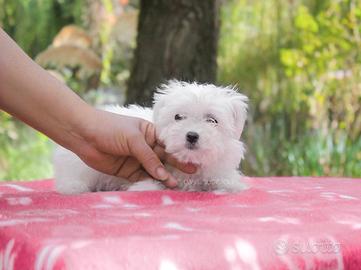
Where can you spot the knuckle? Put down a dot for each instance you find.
(146, 126)
(160, 152)
(134, 177)
(149, 133)
(134, 143)
(151, 160)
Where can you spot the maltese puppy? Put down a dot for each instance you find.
(198, 123)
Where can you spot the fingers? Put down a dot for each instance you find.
(166, 158)
(127, 167)
(130, 169)
(184, 167)
(139, 175)
(171, 182)
(148, 130)
(140, 147)
(149, 160)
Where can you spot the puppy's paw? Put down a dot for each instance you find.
(146, 185)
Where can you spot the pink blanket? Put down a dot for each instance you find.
(279, 223)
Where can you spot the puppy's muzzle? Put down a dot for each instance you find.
(192, 137)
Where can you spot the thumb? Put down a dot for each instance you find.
(145, 155)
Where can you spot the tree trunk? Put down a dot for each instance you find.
(177, 39)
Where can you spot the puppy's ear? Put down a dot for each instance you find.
(239, 111)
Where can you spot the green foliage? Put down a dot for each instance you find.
(7, 128)
(34, 23)
(24, 153)
(311, 154)
(299, 61)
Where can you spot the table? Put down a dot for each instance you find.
(279, 223)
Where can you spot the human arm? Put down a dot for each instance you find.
(107, 142)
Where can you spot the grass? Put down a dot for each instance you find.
(301, 122)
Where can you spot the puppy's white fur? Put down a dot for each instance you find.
(216, 114)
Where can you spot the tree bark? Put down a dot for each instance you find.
(177, 39)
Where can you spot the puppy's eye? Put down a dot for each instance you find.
(178, 117)
(211, 120)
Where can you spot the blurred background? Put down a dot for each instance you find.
(299, 61)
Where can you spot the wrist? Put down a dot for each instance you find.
(88, 122)
(80, 128)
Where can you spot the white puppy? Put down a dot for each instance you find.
(198, 123)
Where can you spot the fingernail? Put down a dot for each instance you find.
(162, 173)
(171, 183)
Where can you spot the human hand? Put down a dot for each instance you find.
(113, 144)
(126, 147)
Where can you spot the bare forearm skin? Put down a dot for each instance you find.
(103, 140)
(31, 94)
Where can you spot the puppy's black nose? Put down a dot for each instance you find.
(192, 137)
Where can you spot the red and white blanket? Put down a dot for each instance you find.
(279, 223)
